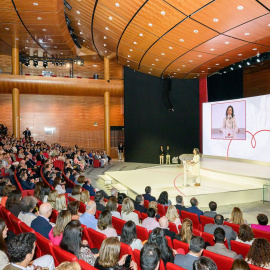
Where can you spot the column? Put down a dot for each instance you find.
(106, 69)
(107, 131)
(15, 61)
(16, 112)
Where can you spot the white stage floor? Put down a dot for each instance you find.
(223, 181)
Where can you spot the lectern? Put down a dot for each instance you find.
(184, 158)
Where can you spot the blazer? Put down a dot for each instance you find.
(140, 208)
(180, 207)
(90, 188)
(230, 234)
(42, 226)
(169, 233)
(185, 261)
(222, 250)
(148, 197)
(195, 210)
(210, 214)
(27, 185)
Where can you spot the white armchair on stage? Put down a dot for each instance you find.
(184, 158)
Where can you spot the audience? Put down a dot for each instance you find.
(76, 192)
(185, 233)
(44, 194)
(212, 212)
(127, 211)
(150, 257)
(41, 224)
(263, 221)
(240, 264)
(129, 236)
(245, 235)
(85, 197)
(3, 246)
(6, 191)
(104, 224)
(52, 197)
(73, 208)
(27, 206)
(180, 203)
(87, 185)
(59, 185)
(147, 196)
(112, 206)
(60, 202)
(56, 233)
(163, 199)
(139, 204)
(219, 247)
(196, 247)
(153, 205)
(194, 207)
(13, 202)
(173, 216)
(230, 234)
(204, 263)
(237, 216)
(150, 222)
(68, 266)
(164, 225)
(88, 218)
(121, 197)
(99, 200)
(114, 192)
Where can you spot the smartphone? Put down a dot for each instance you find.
(127, 262)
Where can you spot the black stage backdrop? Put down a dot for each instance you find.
(149, 124)
(225, 86)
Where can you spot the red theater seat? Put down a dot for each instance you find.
(179, 244)
(118, 224)
(61, 255)
(171, 266)
(206, 220)
(194, 217)
(240, 248)
(96, 237)
(222, 262)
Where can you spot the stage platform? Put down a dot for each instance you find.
(224, 181)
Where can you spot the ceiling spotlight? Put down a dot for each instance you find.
(248, 63)
(163, 12)
(196, 31)
(35, 63)
(26, 63)
(227, 42)
(135, 42)
(39, 18)
(170, 48)
(68, 64)
(231, 68)
(141, 35)
(181, 40)
(117, 5)
(45, 64)
(247, 34)
(258, 60)
(215, 20)
(79, 62)
(110, 18)
(239, 66)
(240, 7)
(150, 24)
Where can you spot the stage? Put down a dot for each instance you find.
(224, 181)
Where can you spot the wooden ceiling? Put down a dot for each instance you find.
(181, 38)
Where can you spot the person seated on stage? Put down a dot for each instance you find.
(186, 232)
(99, 200)
(173, 216)
(219, 247)
(21, 250)
(147, 196)
(139, 204)
(237, 217)
(205, 263)
(194, 208)
(150, 222)
(150, 257)
(196, 247)
(245, 235)
(163, 199)
(127, 211)
(230, 234)
(212, 212)
(263, 221)
(112, 206)
(259, 253)
(164, 225)
(180, 203)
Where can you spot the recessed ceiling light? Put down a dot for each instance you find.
(141, 34)
(55, 47)
(94, 65)
(170, 48)
(269, 24)
(215, 20)
(128, 55)
(149, 72)
(35, 4)
(78, 12)
(227, 60)
(61, 53)
(151, 69)
(217, 64)
(128, 61)
(247, 34)
(110, 18)
(131, 50)
(196, 31)
(199, 55)
(153, 64)
(227, 42)
(104, 44)
(106, 28)
(163, 12)
(49, 39)
(190, 61)
(105, 51)
(150, 24)
(117, 5)
(26, 47)
(174, 73)
(239, 54)
(7, 28)
(240, 7)
(195, 77)
(181, 40)
(208, 68)
(178, 69)
(135, 42)
(79, 23)
(254, 49)
(83, 40)
(44, 30)
(203, 71)
(212, 49)
(128, 65)
(16, 39)
(183, 65)
(239, 66)
(81, 33)
(105, 37)
(162, 53)
(39, 18)
(157, 60)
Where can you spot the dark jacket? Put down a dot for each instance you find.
(27, 185)
(148, 197)
(90, 188)
(140, 208)
(42, 226)
(180, 207)
(195, 210)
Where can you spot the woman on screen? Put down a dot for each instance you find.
(196, 166)
(229, 127)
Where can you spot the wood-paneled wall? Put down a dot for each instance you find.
(256, 80)
(73, 117)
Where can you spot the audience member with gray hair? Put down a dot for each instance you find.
(114, 192)
(88, 218)
(27, 205)
(139, 204)
(180, 203)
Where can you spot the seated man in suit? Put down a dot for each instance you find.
(212, 212)
(194, 207)
(139, 204)
(26, 183)
(180, 203)
(150, 257)
(41, 223)
(195, 251)
(99, 200)
(219, 247)
(21, 250)
(230, 234)
(164, 225)
(147, 196)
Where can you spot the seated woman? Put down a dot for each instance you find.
(112, 206)
(237, 217)
(163, 199)
(76, 192)
(104, 224)
(185, 233)
(59, 185)
(109, 254)
(3, 247)
(157, 237)
(129, 236)
(259, 253)
(73, 208)
(245, 235)
(85, 197)
(172, 216)
(153, 204)
(27, 206)
(60, 202)
(13, 202)
(78, 162)
(80, 181)
(127, 211)
(72, 242)
(263, 221)
(6, 191)
(52, 197)
(150, 222)
(56, 233)
(37, 191)
(44, 194)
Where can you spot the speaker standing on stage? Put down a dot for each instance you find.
(196, 166)
(120, 151)
(161, 155)
(168, 156)
(27, 133)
